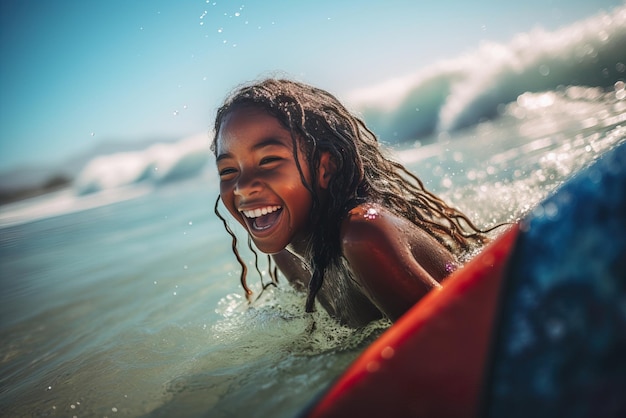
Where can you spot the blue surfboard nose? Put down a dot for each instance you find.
(560, 344)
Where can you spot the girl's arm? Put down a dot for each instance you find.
(395, 262)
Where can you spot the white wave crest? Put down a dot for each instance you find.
(460, 92)
(156, 164)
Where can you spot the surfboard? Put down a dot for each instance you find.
(535, 325)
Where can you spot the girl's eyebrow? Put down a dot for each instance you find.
(223, 156)
(268, 142)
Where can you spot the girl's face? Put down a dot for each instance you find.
(260, 184)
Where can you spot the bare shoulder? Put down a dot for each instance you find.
(372, 232)
(370, 223)
(390, 257)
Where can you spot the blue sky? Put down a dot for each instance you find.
(74, 73)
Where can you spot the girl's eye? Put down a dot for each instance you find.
(269, 160)
(226, 171)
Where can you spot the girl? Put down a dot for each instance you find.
(309, 183)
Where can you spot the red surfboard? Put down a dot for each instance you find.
(437, 351)
(533, 326)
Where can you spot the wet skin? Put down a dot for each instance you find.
(394, 262)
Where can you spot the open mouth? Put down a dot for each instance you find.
(261, 219)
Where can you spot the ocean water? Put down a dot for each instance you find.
(120, 296)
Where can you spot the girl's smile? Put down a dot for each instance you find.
(262, 219)
(260, 183)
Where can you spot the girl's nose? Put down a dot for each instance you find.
(247, 185)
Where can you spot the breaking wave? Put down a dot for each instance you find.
(157, 164)
(447, 96)
(466, 90)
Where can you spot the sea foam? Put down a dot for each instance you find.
(461, 92)
(156, 164)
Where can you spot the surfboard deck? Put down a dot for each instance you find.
(483, 343)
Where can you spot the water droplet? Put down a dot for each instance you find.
(201, 23)
(371, 214)
(544, 70)
(237, 14)
(175, 113)
(184, 106)
(220, 30)
(114, 409)
(551, 210)
(190, 223)
(538, 211)
(93, 134)
(388, 352)
(373, 366)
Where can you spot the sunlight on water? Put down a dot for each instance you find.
(135, 306)
(127, 302)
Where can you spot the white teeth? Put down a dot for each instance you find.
(260, 212)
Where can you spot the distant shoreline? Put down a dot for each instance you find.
(53, 184)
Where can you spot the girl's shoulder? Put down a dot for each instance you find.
(371, 233)
(371, 222)
(393, 260)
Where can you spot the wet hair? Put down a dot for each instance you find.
(319, 124)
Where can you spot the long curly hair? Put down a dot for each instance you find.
(319, 123)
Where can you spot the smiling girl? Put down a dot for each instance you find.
(310, 184)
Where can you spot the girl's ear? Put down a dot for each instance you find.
(326, 170)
